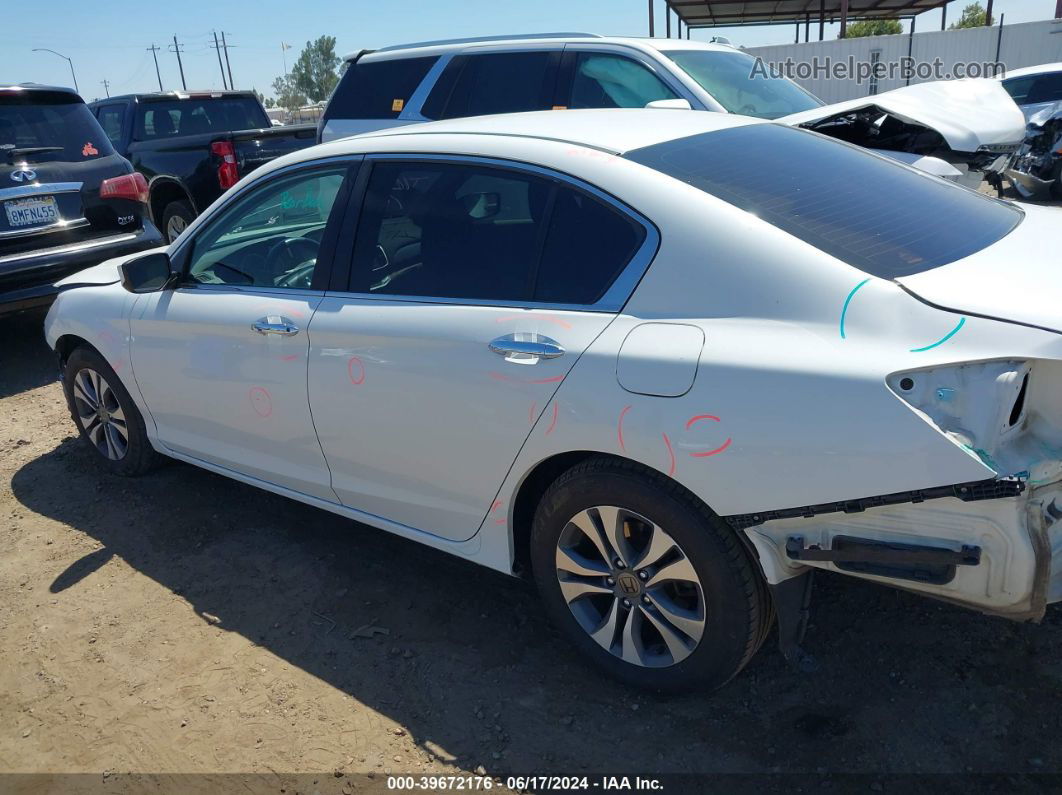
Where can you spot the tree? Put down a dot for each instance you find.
(288, 96)
(314, 74)
(973, 16)
(873, 27)
(270, 103)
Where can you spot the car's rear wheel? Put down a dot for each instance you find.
(175, 219)
(105, 415)
(645, 580)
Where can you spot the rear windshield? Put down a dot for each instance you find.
(30, 120)
(377, 89)
(195, 116)
(873, 213)
(740, 84)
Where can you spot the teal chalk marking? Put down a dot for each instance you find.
(847, 301)
(942, 340)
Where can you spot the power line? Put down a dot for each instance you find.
(158, 74)
(177, 49)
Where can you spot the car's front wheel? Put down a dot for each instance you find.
(645, 580)
(105, 415)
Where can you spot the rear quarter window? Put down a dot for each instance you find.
(377, 89)
(873, 213)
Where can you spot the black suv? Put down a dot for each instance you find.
(67, 199)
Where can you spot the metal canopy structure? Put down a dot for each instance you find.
(735, 13)
(720, 13)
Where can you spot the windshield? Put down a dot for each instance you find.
(46, 126)
(730, 79)
(873, 213)
(198, 115)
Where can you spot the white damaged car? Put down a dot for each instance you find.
(612, 356)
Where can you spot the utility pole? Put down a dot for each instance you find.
(225, 47)
(158, 74)
(177, 49)
(220, 65)
(106, 87)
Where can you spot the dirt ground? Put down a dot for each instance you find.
(185, 623)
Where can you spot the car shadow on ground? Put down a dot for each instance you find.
(25, 362)
(905, 685)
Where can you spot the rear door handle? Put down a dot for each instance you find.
(275, 325)
(526, 350)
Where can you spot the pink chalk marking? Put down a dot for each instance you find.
(360, 377)
(619, 428)
(670, 452)
(495, 506)
(552, 424)
(719, 449)
(261, 401)
(531, 413)
(694, 420)
(290, 358)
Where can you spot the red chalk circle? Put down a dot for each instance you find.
(356, 371)
(261, 401)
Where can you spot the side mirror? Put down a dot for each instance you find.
(147, 274)
(670, 104)
(481, 205)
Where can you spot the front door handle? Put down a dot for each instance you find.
(275, 325)
(526, 350)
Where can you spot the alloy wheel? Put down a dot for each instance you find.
(630, 586)
(174, 227)
(100, 415)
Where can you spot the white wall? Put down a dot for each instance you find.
(1023, 44)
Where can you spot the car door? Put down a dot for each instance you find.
(221, 360)
(602, 78)
(474, 288)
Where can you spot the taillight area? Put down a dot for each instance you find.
(228, 174)
(128, 186)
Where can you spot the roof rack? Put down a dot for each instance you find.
(474, 39)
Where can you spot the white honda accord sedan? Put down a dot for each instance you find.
(668, 370)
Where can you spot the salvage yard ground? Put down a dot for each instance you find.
(184, 622)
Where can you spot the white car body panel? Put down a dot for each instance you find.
(386, 370)
(794, 400)
(968, 114)
(224, 393)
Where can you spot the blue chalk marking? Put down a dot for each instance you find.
(943, 339)
(847, 301)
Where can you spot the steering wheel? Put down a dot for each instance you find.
(291, 258)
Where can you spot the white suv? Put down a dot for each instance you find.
(971, 125)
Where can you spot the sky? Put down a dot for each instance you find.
(108, 40)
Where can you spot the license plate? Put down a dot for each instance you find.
(32, 212)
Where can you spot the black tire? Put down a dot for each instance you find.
(177, 214)
(737, 607)
(138, 456)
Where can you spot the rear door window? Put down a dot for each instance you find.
(502, 82)
(604, 80)
(377, 89)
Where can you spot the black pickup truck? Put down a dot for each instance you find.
(192, 146)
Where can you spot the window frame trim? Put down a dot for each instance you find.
(612, 301)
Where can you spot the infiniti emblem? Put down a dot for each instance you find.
(27, 174)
